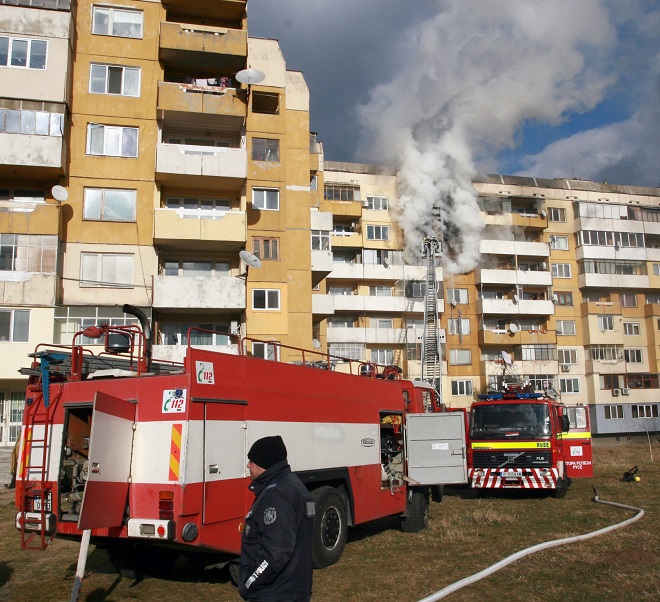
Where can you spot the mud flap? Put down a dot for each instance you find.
(110, 452)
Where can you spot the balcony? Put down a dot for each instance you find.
(342, 208)
(191, 167)
(522, 307)
(514, 277)
(202, 104)
(177, 227)
(602, 308)
(218, 10)
(514, 247)
(29, 156)
(370, 271)
(27, 289)
(199, 48)
(174, 292)
(379, 336)
(502, 338)
(322, 262)
(613, 281)
(177, 353)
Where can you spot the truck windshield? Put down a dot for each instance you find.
(510, 421)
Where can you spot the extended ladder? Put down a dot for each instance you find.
(431, 353)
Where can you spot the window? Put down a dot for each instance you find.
(538, 353)
(341, 290)
(563, 298)
(382, 322)
(656, 269)
(561, 270)
(71, 319)
(377, 203)
(567, 356)
(266, 199)
(23, 53)
(633, 356)
(605, 323)
(112, 141)
(341, 192)
(266, 249)
(569, 385)
(341, 322)
(265, 149)
(266, 298)
(457, 295)
(461, 387)
(631, 328)
(320, 240)
(109, 204)
(378, 257)
(459, 325)
(556, 214)
(38, 123)
(265, 351)
(610, 381)
(628, 299)
(605, 353)
(382, 356)
(265, 102)
(415, 289)
(199, 208)
(14, 325)
(176, 333)
(123, 23)
(645, 411)
(106, 269)
(460, 357)
(28, 253)
(113, 79)
(378, 232)
(11, 415)
(196, 268)
(613, 412)
(351, 351)
(565, 327)
(414, 352)
(559, 243)
(380, 291)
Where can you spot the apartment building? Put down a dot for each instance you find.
(135, 165)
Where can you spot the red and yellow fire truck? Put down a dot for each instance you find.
(520, 439)
(151, 456)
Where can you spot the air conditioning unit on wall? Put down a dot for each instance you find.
(625, 391)
(565, 367)
(616, 392)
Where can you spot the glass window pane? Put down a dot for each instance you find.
(13, 122)
(96, 136)
(28, 119)
(113, 141)
(97, 79)
(56, 124)
(21, 326)
(42, 124)
(129, 142)
(101, 21)
(114, 80)
(19, 49)
(119, 205)
(92, 204)
(131, 82)
(5, 321)
(127, 23)
(38, 54)
(4, 50)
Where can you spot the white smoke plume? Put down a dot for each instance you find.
(478, 71)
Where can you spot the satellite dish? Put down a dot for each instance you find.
(506, 357)
(316, 344)
(250, 259)
(516, 298)
(250, 76)
(59, 193)
(543, 213)
(453, 303)
(513, 328)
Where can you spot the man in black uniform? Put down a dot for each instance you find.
(276, 549)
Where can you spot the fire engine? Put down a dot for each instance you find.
(521, 439)
(150, 456)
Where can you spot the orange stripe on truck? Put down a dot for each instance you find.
(175, 452)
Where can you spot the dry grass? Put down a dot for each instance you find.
(381, 563)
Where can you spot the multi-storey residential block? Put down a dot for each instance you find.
(169, 161)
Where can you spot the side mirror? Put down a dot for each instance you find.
(565, 424)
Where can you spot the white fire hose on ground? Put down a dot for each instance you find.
(537, 548)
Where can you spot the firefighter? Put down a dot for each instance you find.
(276, 547)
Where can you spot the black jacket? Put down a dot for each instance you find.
(276, 549)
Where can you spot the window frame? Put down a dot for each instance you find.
(13, 325)
(377, 203)
(460, 387)
(564, 268)
(382, 231)
(266, 347)
(106, 79)
(264, 206)
(111, 11)
(262, 243)
(103, 203)
(12, 40)
(270, 151)
(268, 299)
(107, 140)
(100, 282)
(456, 357)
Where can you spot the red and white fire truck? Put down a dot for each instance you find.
(520, 439)
(151, 456)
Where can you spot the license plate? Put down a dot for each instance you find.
(36, 503)
(511, 473)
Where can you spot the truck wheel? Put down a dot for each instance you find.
(329, 527)
(136, 561)
(562, 488)
(417, 512)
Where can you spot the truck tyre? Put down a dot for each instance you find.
(562, 488)
(136, 561)
(329, 527)
(416, 517)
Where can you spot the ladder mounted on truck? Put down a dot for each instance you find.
(36, 500)
(431, 353)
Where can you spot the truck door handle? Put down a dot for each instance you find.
(96, 467)
(213, 468)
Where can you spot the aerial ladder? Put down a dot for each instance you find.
(431, 352)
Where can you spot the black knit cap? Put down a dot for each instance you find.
(267, 451)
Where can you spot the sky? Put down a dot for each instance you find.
(443, 90)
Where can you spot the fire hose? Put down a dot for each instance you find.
(537, 548)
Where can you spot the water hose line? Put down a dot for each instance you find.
(537, 548)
